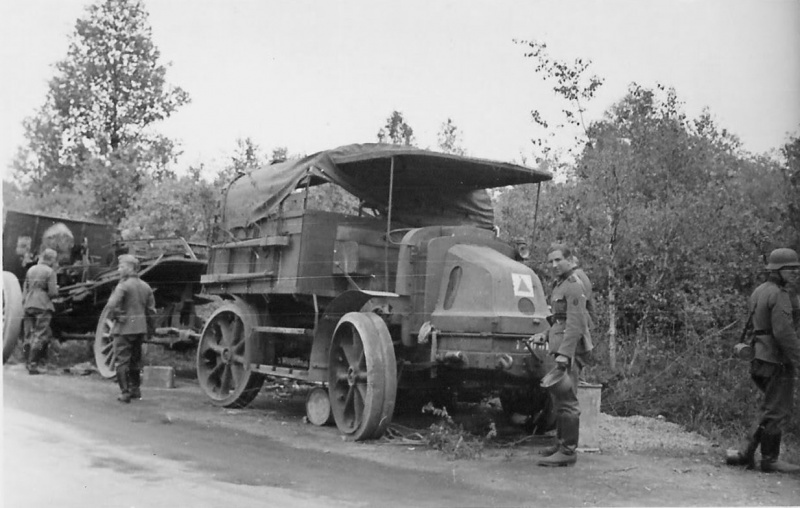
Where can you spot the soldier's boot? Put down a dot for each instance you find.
(567, 454)
(124, 384)
(745, 455)
(135, 380)
(770, 450)
(32, 360)
(550, 450)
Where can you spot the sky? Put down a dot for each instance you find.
(311, 75)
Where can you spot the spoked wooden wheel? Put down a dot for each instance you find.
(362, 376)
(104, 356)
(223, 357)
(12, 313)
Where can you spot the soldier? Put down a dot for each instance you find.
(570, 341)
(775, 316)
(40, 286)
(587, 287)
(132, 308)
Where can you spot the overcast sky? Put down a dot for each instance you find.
(311, 75)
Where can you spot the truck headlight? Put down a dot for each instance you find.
(523, 251)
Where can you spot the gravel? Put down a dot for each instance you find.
(639, 433)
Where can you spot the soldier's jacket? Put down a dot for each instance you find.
(40, 286)
(776, 314)
(132, 307)
(570, 333)
(588, 291)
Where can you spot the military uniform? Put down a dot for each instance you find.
(132, 309)
(569, 336)
(777, 358)
(588, 291)
(775, 315)
(40, 286)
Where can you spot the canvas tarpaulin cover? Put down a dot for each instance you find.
(428, 188)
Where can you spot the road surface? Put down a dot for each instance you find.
(68, 442)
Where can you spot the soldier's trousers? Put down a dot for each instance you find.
(36, 324)
(568, 411)
(776, 382)
(128, 362)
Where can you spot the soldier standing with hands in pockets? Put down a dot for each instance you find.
(132, 308)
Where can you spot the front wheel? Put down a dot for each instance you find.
(224, 367)
(104, 356)
(12, 313)
(362, 376)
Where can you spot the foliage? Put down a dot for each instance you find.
(279, 154)
(332, 198)
(450, 138)
(671, 213)
(176, 206)
(94, 131)
(571, 83)
(246, 157)
(58, 203)
(791, 187)
(396, 131)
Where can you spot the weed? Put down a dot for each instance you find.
(451, 438)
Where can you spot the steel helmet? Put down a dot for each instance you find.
(783, 258)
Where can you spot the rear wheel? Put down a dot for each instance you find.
(12, 314)
(362, 376)
(224, 369)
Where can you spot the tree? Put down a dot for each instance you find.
(791, 172)
(450, 138)
(246, 157)
(279, 154)
(98, 117)
(571, 83)
(396, 131)
(175, 206)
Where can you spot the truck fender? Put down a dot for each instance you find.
(349, 301)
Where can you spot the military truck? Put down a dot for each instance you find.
(398, 287)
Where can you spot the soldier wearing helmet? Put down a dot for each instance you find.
(39, 288)
(775, 316)
(132, 308)
(570, 341)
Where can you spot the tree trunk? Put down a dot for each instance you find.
(612, 291)
(612, 318)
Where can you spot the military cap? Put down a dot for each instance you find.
(129, 260)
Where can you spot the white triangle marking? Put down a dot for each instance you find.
(523, 284)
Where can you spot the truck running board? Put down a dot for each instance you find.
(285, 372)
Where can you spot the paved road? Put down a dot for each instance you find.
(67, 442)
